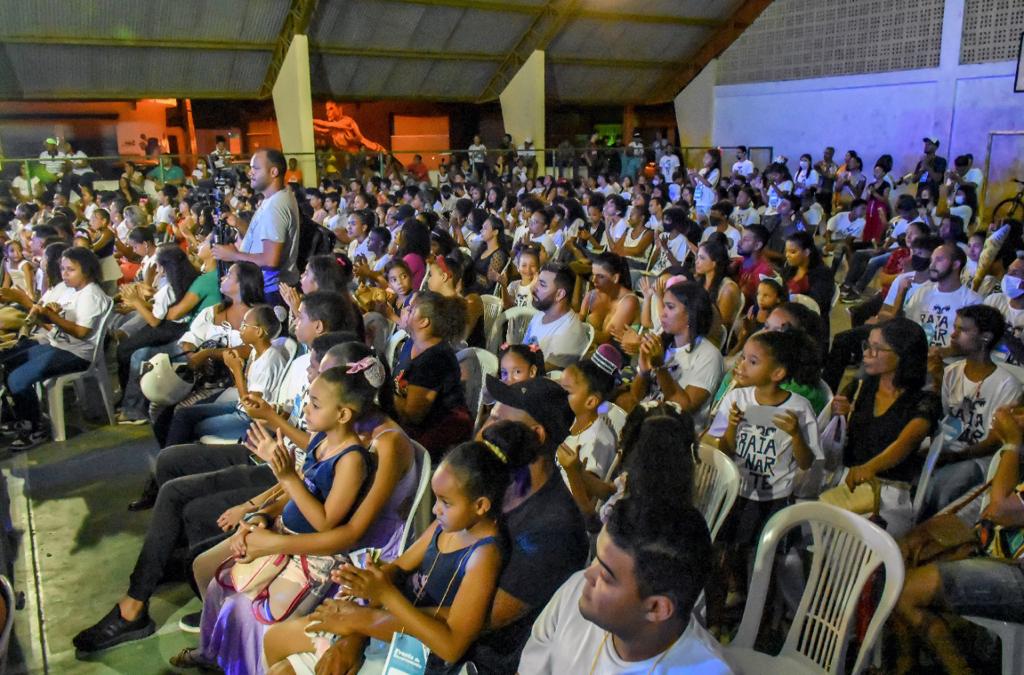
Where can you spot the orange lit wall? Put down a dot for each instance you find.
(422, 135)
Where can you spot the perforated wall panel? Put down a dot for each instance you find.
(800, 39)
(992, 30)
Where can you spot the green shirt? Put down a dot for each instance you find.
(816, 396)
(207, 287)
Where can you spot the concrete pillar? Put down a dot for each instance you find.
(293, 105)
(695, 109)
(522, 106)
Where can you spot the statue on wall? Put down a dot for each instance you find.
(342, 133)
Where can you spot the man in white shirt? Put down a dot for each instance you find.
(965, 173)
(661, 147)
(848, 224)
(629, 612)
(745, 212)
(272, 240)
(53, 160)
(718, 221)
(561, 335)
(742, 166)
(934, 304)
(972, 390)
(634, 156)
(668, 164)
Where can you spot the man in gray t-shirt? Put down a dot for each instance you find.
(272, 240)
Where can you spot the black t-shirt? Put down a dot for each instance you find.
(868, 436)
(437, 369)
(548, 544)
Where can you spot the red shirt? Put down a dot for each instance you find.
(750, 277)
(894, 265)
(419, 170)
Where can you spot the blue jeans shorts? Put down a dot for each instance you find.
(984, 587)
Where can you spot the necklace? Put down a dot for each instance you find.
(593, 666)
(577, 433)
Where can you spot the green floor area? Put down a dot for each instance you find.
(78, 547)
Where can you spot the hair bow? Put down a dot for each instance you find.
(373, 369)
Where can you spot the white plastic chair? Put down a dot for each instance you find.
(807, 301)
(414, 518)
(616, 415)
(512, 324)
(589, 329)
(394, 342)
(930, 460)
(97, 370)
(493, 307)
(846, 551)
(716, 483)
(486, 364)
(1011, 635)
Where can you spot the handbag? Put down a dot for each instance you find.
(833, 437)
(944, 537)
(865, 499)
(250, 577)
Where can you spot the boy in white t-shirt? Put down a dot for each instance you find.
(972, 390)
(625, 614)
(587, 454)
(1010, 304)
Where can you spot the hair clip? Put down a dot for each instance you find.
(503, 346)
(373, 369)
(342, 261)
(497, 451)
(443, 264)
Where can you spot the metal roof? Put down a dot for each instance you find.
(597, 51)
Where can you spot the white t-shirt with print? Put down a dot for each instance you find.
(680, 251)
(84, 307)
(264, 372)
(732, 235)
(936, 311)
(203, 328)
(742, 168)
(163, 300)
(764, 453)
(596, 447)
(705, 196)
(562, 341)
(562, 642)
(743, 217)
(668, 164)
(890, 296)
(973, 404)
(1014, 326)
(700, 367)
(775, 196)
(840, 226)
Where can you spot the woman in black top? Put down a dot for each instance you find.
(426, 396)
(806, 274)
(492, 257)
(890, 415)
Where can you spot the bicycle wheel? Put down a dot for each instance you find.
(1011, 207)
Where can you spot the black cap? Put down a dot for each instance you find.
(542, 399)
(404, 212)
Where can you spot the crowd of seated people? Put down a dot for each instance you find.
(621, 320)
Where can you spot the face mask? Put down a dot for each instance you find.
(804, 164)
(739, 157)
(919, 263)
(1013, 287)
(958, 200)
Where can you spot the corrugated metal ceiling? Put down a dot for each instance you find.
(606, 51)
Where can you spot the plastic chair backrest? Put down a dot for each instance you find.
(846, 550)
(826, 413)
(934, 449)
(394, 342)
(484, 364)
(101, 333)
(807, 301)
(426, 471)
(616, 415)
(716, 483)
(290, 348)
(993, 468)
(588, 328)
(492, 310)
(288, 344)
(516, 320)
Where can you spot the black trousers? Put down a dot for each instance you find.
(197, 484)
(846, 351)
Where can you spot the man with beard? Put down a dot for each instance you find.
(630, 610)
(935, 303)
(755, 265)
(559, 332)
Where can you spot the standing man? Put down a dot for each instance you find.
(53, 161)
(220, 158)
(827, 170)
(742, 166)
(931, 168)
(272, 240)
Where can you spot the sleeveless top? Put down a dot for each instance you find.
(439, 576)
(318, 475)
(388, 531)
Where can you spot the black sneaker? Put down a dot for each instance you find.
(112, 630)
(190, 622)
(850, 298)
(29, 440)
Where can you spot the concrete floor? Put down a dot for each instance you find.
(78, 548)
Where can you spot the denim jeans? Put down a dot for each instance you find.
(951, 482)
(29, 363)
(217, 419)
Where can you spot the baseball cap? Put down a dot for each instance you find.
(542, 399)
(934, 140)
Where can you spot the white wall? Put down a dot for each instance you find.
(879, 113)
(695, 108)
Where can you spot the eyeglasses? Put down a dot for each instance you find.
(874, 349)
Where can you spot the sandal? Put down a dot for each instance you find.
(189, 657)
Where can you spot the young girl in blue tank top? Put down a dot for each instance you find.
(455, 564)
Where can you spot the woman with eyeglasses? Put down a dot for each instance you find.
(888, 413)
